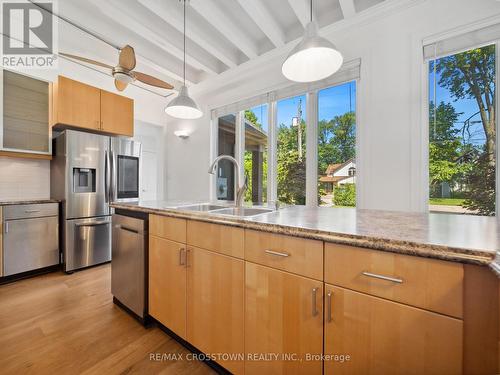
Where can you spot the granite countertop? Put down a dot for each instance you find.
(460, 238)
(28, 201)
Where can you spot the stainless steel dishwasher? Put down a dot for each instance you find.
(129, 263)
(30, 237)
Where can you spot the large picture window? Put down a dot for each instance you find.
(337, 145)
(462, 129)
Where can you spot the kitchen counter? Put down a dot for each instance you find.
(29, 201)
(459, 238)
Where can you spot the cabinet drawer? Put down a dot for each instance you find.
(25, 211)
(170, 228)
(427, 283)
(298, 255)
(219, 238)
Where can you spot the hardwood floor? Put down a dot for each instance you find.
(68, 324)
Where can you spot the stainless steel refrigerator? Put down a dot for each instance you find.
(88, 171)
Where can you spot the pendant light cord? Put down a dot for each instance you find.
(184, 66)
(311, 10)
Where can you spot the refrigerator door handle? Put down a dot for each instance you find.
(106, 176)
(113, 187)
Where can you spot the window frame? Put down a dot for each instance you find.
(311, 139)
(425, 121)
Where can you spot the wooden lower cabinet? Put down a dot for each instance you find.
(385, 337)
(283, 322)
(215, 307)
(167, 284)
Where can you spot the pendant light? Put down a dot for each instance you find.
(314, 58)
(183, 106)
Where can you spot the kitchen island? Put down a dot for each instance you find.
(355, 291)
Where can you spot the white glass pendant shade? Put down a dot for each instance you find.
(313, 59)
(183, 106)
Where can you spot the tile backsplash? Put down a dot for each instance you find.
(24, 179)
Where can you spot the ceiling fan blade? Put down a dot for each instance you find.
(84, 59)
(153, 81)
(120, 85)
(127, 58)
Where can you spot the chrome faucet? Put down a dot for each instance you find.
(240, 191)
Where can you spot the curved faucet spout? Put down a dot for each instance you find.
(240, 190)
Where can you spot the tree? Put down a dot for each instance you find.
(291, 173)
(471, 74)
(336, 140)
(251, 117)
(445, 162)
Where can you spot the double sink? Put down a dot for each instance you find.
(225, 210)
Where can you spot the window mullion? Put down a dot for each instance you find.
(272, 165)
(312, 149)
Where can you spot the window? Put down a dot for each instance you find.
(462, 159)
(291, 150)
(255, 157)
(226, 146)
(337, 145)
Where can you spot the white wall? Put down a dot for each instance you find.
(23, 179)
(390, 160)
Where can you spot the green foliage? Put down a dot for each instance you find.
(251, 117)
(480, 197)
(345, 195)
(336, 140)
(291, 173)
(453, 158)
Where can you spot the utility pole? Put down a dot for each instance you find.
(297, 121)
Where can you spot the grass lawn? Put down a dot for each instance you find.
(446, 201)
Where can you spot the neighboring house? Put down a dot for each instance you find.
(339, 174)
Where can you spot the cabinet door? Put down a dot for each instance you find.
(117, 114)
(167, 284)
(76, 104)
(25, 114)
(215, 312)
(385, 337)
(283, 322)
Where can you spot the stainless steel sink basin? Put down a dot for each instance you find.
(242, 211)
(204, 207)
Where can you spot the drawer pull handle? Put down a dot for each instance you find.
(31, 211)
(277, 253)
(314, 307)
(382, 277)
(329, 306)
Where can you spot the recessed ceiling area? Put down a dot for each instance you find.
(221, 34)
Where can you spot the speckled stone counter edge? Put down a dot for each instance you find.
(462, 255)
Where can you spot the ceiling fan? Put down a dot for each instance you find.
(124, 72)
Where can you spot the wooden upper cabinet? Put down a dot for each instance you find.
(283, 322)
(387, 338)
(216, 306)
(79, 105)
(76, 104)
(117, 114)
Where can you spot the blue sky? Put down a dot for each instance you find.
(332, 101)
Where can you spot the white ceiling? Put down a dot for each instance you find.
(221, 34)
